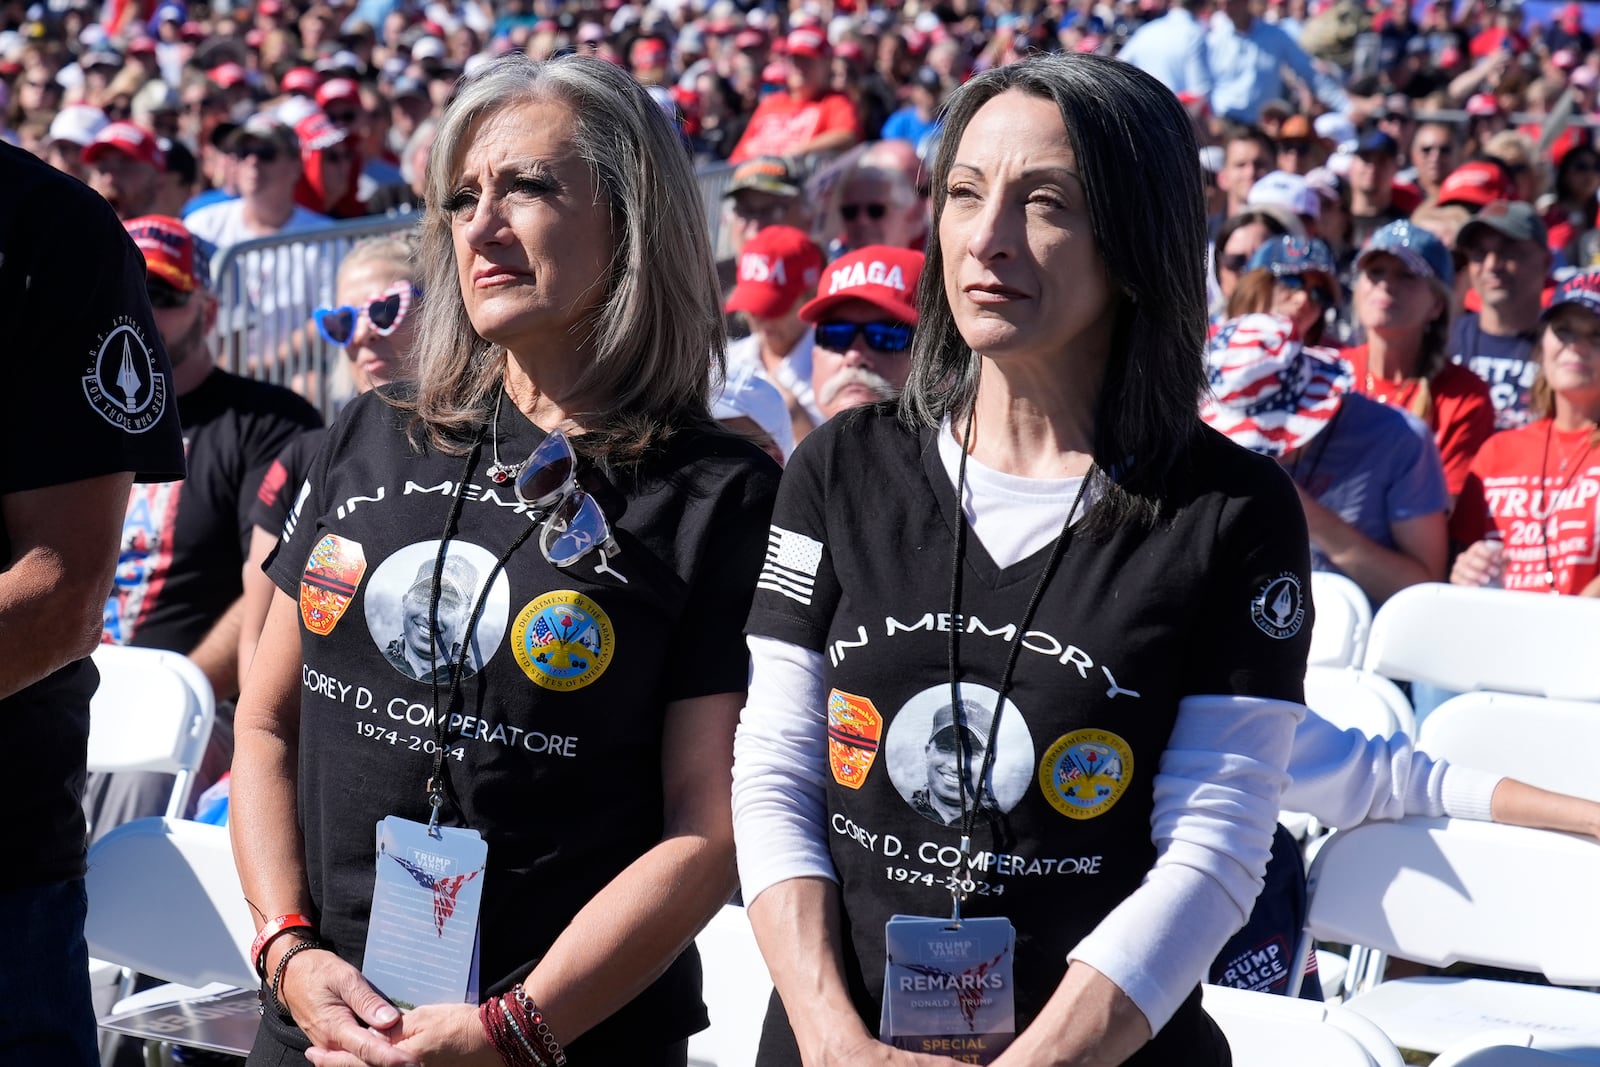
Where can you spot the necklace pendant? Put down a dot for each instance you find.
(499, 474)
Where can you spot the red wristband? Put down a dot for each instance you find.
(270, 932)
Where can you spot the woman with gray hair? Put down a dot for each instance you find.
(567, 543)
(1122, 591)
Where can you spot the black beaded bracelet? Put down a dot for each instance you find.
(283, 962)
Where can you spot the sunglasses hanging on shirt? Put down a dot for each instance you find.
(574, 525)
(385, 312)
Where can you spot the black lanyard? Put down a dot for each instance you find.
(1058, 550)
(441, 714)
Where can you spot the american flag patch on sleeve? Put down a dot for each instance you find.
(791, 564)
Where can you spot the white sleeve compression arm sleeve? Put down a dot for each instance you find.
(1216, 807)
(780, 756)
(1344, 777)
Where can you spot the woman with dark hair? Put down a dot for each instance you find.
(1237, 240)
(1292, 277)
(1573, 213)
(1528, 512)
(507, 631)
(1066, 547)
(1402, 301)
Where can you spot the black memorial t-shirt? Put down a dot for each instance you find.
(1213, 601)
(555, 749)
(93, 396)
(274, 497)
(184, 543)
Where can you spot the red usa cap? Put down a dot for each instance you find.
(882, 276)
(337, 89)
(807, 43)
(1478, 183)
(300, 80)
(171, 252)
(128, 139)
(776, 267)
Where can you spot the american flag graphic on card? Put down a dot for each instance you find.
(791, 565)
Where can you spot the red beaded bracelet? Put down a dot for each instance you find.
(269, 933)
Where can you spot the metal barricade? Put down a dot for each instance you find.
(714, 179)
(266, 290)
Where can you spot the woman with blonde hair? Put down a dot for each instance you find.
(1403, 295)
(1528, 512)
(375, 324)
(530, 572)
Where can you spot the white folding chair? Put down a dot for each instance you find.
(1519, 1055)
(153, 711)
(1343, 616)
(1461, 639)
(164, 900)
(1264, 1030)
(1350, 697)
(1443, 891)
(1562, 738)
(737, 988)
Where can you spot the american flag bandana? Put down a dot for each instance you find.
(1269, 392)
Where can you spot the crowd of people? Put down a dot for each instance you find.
(987, 273)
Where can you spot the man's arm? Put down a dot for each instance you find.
(1328, 89)
(53, 589)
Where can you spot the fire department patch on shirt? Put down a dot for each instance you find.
(329, 582)
(563, 640)
(1085, 772)
(854, 731)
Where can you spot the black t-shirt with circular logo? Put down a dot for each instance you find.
(554, 753)
(91, 391)
(1211, 601)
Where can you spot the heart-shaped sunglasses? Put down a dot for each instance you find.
(385, 312)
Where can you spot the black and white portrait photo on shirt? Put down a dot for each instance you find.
(398, 600)
(923, 752)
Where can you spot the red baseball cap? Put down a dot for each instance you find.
(300, 80)
(128, 139)
(648, 52)
(1477, 183)
(883, 276)
(1483, 105)
(171, 252)
(142, 45)
(226, 75)
(809, 43)
(749, 39)
(337, 89)
(776, 267)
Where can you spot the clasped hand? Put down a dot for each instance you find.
(350, 1024)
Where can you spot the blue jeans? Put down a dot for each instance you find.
(46, 1016)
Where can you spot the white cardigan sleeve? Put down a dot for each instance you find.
(1216, 807)
(1344, 777)
(780, 759)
